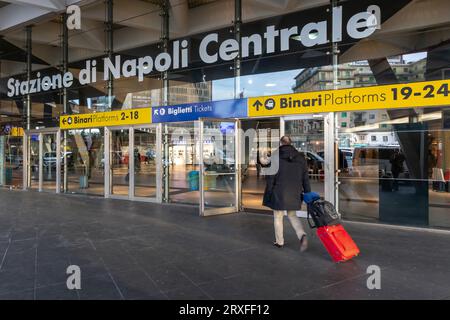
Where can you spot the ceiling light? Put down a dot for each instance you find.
(271, 84)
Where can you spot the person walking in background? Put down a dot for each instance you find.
(284, 189)
(432, 163)
(264, 162)
(397, 160)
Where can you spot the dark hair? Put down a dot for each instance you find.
(285, 141)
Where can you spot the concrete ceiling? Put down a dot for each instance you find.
(138, 23)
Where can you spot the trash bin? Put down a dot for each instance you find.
(8, 176)
(210, 181)
(84, 182)
(193, 180)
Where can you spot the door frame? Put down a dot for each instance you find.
(330, 174)
(242, 150)
(237, 173)
(27, 154)
(131, 182)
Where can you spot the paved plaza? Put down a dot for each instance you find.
(137, 250)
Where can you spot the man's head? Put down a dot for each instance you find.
(285, 141)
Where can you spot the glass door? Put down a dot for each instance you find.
(219, 170)
(42, 160)
(34, 164)
(119, 162)
(84, 152)
(134, 163)
(146, 181)
(49, 161)
(307, 135)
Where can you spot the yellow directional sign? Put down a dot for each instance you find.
(106, 119)
(410, 95)
(16, 132)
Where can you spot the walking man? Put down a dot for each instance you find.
(397, 160)
(284, 190)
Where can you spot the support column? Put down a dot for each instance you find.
(28, 104)
(237, 33)
(29, 56)
(110, 49)
(165, 48)
(64, 69)
(165, 99)
(330, 133)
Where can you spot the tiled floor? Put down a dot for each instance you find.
(132, 250)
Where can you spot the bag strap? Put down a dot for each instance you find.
(307, 218)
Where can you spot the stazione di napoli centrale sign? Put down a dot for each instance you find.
(264, 38)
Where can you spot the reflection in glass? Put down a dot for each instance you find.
(183, 161)
(11, 161)
(119, 157)
(219, 160)
(49, 158)
(33, 141)
(145, 162)
(262, 138)
(85, 161)
(308, 137)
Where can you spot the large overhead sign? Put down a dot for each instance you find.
(106, 119)
(411, 95)
(293, 32)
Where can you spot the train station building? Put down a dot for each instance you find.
(183, 101)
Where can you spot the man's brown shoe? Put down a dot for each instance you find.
(303, 243)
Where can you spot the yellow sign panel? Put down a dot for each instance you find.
(16, 132)
(411, 95)
(106, 119)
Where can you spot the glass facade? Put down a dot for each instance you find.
(85, 161)
(383, 165)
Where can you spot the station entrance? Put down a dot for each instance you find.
(41, 160)
(219, 165)
(133, 162)
(307, 134)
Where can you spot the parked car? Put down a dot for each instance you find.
(49, 160)
(375, 161)
(315, 162)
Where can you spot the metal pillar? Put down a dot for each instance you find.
(330, 133)
(165, 99)
(29, 56)
(237, 33)
(65, 61)
(165, 48)
(28, 104)
(109, 48)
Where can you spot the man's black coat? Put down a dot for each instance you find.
(285, 186)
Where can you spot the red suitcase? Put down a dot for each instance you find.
(338, 242)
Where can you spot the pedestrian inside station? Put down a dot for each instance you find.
(206, 79)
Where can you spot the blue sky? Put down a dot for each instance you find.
(256, 85)
(270, 83)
